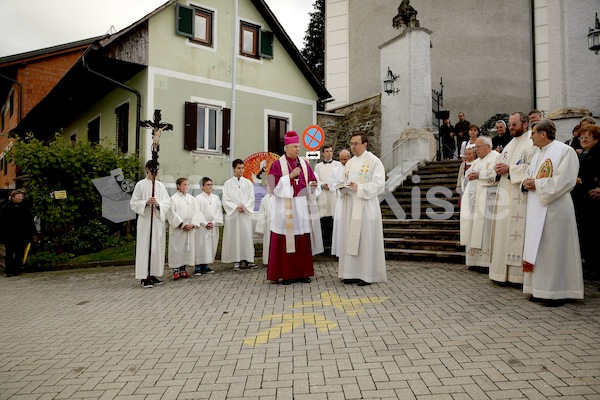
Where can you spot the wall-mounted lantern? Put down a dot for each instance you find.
(594, 37)
(388, 83)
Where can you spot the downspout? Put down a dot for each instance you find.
(130, 89)
(233, 83)
(533, 72)
(20, 95)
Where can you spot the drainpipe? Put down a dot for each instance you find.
(233, 84)
(533, 55)
(20, 95)
(130, 89)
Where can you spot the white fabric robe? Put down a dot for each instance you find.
(557, 273)
(184, 210)
(141, 193)
(263, 225)
(467, 205)
(326, 200)
(238, 243)
(337, 176)
(300, 210)
(508, 228)
(369, 264)
(207, 240)
(478, 249)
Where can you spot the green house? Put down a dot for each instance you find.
(223, 72)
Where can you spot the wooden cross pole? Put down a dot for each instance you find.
(157, 129)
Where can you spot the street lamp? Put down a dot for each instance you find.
(388, 83)
(594, 37)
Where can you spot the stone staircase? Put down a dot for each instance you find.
(430, 229)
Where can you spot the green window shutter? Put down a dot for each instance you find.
(184, 21)
(266, 44)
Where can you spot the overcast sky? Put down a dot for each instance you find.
(27, 25)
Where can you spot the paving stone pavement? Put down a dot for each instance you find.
(433, 331)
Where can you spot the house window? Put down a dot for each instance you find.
(277, 128)
(122, 113)
(249, 40)
(94, 130)
(203, 22)
(195, 23)
(206, 128)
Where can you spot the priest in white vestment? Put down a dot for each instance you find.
(263, 225)
(295, 227)
(467, 202)
(511, 203)
(337, 177)
(326, 200)
(150, 208)
(238, 202)
(207, 237)
(551, 258)
(184, 220)
(478, 247)
(362, 254)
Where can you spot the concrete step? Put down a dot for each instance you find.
(426, 255)
(449, 234)
(423, 244)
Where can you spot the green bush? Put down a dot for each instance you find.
(89, 238)
(43, 260)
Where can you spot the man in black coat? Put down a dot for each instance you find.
(16, 231)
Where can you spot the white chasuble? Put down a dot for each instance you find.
(362, 254)
(557, 272)
(508, 231)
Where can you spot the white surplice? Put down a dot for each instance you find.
(238, 244)
(326, 200)
(368, 264)
(557, 273)
(336, 177)
(467, 205)
(508, 229)
(263, 225)
(207, 240)
(184, 210)
(478, 249)
(141, 193)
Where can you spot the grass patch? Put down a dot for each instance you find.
(125, 252)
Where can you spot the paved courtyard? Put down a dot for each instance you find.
(434, 331)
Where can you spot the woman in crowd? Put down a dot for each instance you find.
(473, 135)
(586, 197)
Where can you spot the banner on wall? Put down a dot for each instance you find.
(256, 168)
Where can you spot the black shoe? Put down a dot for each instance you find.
(155, 280)
(363, 283)
(147, 283)
(553, 302)
(305, 280)
(286, 282)
(350, 281)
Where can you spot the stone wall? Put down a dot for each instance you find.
(363, 116)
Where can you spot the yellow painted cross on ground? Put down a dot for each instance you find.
(351, 307)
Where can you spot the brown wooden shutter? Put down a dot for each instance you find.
(190, 129)
(226, 130)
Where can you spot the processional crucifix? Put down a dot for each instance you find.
(157, 129)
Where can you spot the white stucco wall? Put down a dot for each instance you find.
(408, 57)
